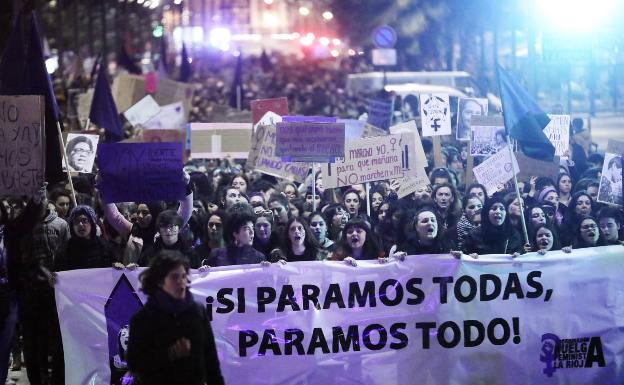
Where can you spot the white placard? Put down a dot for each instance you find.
(558, 132)
(435, 113)
(496, 170)
(143, 111)
(171, 116)
(488, 135)
(610, 190)
(409, 127)
(413, 183)
(466, 108)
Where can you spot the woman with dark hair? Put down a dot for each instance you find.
(318, 225)
(213, 235)
(535, 216)
(265, 239)
(514, 210)
(299, 244)
(239, 235)
(581, 204)
(447, 204)
(543, 238)
(240, 182)
(358, 242)
(549, 194)
(424, 235)
(169, 224)
(377, 197)
(495, 235)
(336, 217)
(351, 200)
(471, 218)
(289, 189)
(587, 233)
(477, 189)
(171, 341)
(564, 187)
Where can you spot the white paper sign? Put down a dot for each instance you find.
(143, 111)
(558, 132)
(488, 135)
(80, 150)
(435, 113)
(496, 170)
(413, 183)
(372, 159)
(171, 116)
(610, 190)
(409, 127)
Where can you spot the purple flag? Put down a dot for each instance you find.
(103, 109)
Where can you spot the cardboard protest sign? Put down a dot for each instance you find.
(22, 144)
(466, 108)
(260, 107)
(534, 167)
(496, 170)
(372, 159)
(488, 135)
(142, 111)
(435, 113)
(309, 141)
(370, 131)
(127, 90)
(413, 183)
(407, 128)
(262, 153)
(170, 116)
(558, 132)
(380, 113)
(80, 150)
(610, 190)
(141, 172)
(219, 140)
(169, 92)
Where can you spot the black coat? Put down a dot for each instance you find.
(155, 328)
(476, 242)
(82, 253)
(230, 255)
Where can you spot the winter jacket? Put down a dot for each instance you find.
(230, 255)
(477, 243)
(156, 327)
(83, 253)
(149, 252)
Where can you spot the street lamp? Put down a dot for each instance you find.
(304, 11)
(327, 15)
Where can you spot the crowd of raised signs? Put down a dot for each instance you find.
(232, 215)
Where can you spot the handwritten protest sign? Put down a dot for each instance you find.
(218, 140)
(21, 144)
(142, 111)
(435, 112)
(558, 132)
(309, 141)
(488, 135)
(413, 183)
(80, 150)
(409, 127)
(260, 107)
(170, 116)
(141, 172)
(372, 159)
(380, 113)
(534, 167)
(262, 153)
(495, 170)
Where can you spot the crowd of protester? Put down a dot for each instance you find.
(233, 215)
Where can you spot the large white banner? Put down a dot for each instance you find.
(432, 319)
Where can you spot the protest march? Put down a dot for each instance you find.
(253, 217)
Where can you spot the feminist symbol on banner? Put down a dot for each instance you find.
(436, 115)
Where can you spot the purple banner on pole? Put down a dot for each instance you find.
(141, 172)
(310, 141)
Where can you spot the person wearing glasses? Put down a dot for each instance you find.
(79, 151)
(587, 233)
(168, 225)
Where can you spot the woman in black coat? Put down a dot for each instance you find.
(425, 236)
(496, 235)
(171, 341)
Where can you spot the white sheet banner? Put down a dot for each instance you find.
(432, 319)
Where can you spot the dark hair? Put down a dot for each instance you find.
(234, 222)
(479, 186)
(329, 213)
(490, 231)
(414, 221)
(595, 158)
(577, 241)
(281, 199)
(542, 182)
(222, 193)
(201, 184)
(371, 249)
(164, 262)
(243, 177)
(168, 217)
(570, 213)
(533, 233)
(59, 192)
(261, 185)
(309, 240)
(468, 197)
(617, 161)
(561, 175)
(609, 212)
(76, 140)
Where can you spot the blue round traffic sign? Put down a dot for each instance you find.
(384, 36)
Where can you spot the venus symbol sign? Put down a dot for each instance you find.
(436, 116)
